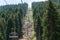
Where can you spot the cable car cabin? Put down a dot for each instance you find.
(13, 36)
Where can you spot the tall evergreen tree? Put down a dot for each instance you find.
(37, 21)
(20, 26)
(50, 22)
(39, 29)
(9, 26)
(2, 29)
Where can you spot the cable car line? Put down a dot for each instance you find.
(5, 2)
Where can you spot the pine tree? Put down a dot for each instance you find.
(58, 27)
(20, 26)
(39, 29)
(2, 29)
(37, 22)
(9, 26)
(50, 22)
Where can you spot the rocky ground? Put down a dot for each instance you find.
(27, 26)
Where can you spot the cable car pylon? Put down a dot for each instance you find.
(21, 1)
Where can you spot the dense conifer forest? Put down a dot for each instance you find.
(41, 21)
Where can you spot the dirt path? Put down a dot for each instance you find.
(27, 26)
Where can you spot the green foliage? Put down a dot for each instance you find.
(49, 19)
(49, 23)
(11, 16)
(38, 11)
